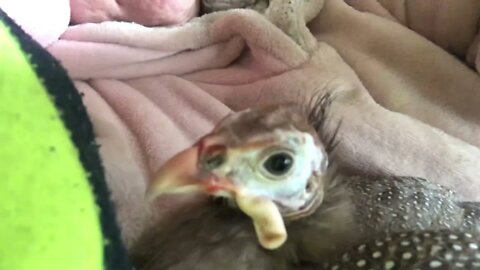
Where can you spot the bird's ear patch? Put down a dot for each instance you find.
(313, 190)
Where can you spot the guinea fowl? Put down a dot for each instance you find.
(270, 166)
(414, 250)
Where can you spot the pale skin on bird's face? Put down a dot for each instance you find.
(267, 161)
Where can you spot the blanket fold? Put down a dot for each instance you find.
(153, 91)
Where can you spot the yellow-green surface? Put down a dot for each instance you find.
(48, 218)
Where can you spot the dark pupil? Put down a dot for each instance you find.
(278, 164)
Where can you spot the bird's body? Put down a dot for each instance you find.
(355, 210)
(276, 157)
(409, 203)
(414, 250)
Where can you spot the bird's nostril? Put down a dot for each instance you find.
(214, 161)
(214, 157)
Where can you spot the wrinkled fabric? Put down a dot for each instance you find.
(145, 12)
(452, 25)
(406, 106)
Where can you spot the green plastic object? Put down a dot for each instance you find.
(48, 216)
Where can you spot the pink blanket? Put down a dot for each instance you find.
(408, 107)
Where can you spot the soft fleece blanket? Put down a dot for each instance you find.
(406, 105)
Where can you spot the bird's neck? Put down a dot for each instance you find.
(330, 228)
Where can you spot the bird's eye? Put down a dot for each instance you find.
(278, 164)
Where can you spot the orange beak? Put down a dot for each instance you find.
(183, 174)
(178, 175)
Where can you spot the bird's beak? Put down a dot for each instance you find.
(178, 175)
(181, 174)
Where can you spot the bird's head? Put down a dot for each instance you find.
(268, 161)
